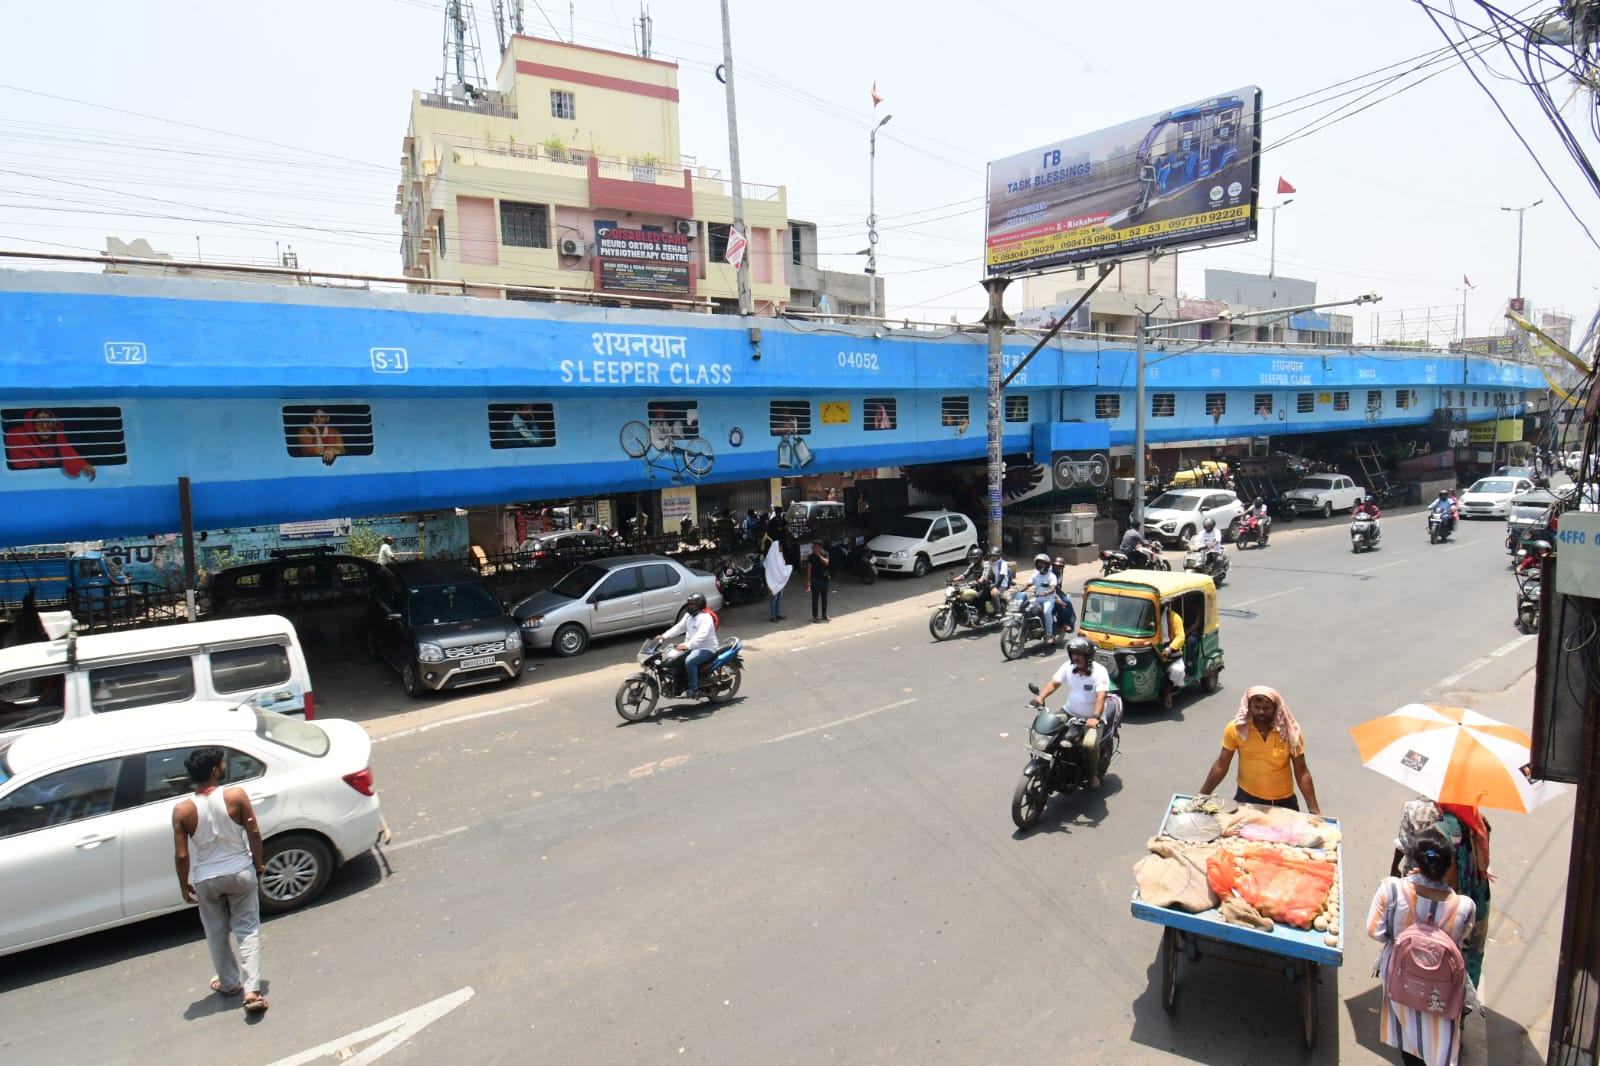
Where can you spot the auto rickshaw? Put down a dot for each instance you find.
(1122, 617)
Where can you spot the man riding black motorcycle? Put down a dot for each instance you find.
(1088, 687)
(997, 579)
(1041, 586)
(700, 633)
(1066, 617)
(1136, 548)
(975, 571)
(1210, 543)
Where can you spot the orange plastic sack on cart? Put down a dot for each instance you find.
(1285, 889)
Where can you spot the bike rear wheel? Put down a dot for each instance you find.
(734, 673)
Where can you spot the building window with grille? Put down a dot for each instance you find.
(524, 225)
(1374, 400)
(327, 431)
(1163, 404)
(790, 417)
(562, 105)
(878, 413)
(1449, 394)
(795, 247)
(716, 241)
(1474, 398)
(522, 425)
(1263, 404)
(1305, 403)
(954, 411)
(1402, 398)
(1216, 404)
(1341, 401)
(1107, 405)
(1016, 408)
(71, 440)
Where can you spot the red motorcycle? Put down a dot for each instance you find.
(1252, 530)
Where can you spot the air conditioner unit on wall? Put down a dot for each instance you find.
(571, 246)
(687, 227)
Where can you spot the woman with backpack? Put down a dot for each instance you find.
(1422, 924)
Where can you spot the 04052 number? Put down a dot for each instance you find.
(859, 360)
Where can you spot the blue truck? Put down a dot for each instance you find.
(88, 583)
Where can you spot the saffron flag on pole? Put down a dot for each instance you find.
(736, 246)
(1284, 188)
(1467, 283)
(876, 99)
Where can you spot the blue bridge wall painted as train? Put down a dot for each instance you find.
(216, 381)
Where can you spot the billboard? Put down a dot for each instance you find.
(1185, 176)
(641, 260)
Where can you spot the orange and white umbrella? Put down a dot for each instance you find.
(1454, 755)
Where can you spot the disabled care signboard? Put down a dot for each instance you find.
(1185, 176)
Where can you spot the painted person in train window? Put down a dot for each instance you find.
(40, 440)
(525, 432)
(881, 420)
(319, 437)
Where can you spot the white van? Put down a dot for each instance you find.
(255, 660)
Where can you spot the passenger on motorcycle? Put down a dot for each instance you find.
(1066, 617)
(997, 579)
(700, 634)
(1088, 689)
(1041, 587)
(1210, 542)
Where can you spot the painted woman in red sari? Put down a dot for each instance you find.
(40, 440)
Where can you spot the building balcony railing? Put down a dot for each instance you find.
(476, 107)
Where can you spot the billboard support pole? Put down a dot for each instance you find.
(996, 320)
(186, 524)
(1138, 415)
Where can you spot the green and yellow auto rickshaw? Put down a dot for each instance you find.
(1124, 616)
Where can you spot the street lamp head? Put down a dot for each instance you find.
(883, 122)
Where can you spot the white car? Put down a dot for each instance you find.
(917, 542)
(1178, 514)
(1490, 497)
(1324, 494)
(86, 812)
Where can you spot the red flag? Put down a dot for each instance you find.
(1465, 282)
(876, 99)
(1284, 188)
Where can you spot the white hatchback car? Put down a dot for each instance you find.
(1490, 497)
(917, 542)
(86, 812)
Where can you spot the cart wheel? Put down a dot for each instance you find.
(1169, 968)
(1308, 1001)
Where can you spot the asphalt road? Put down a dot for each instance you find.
(825, 869)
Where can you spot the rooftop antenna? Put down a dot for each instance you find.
(644, 30)
(500, 25)
(463, 61)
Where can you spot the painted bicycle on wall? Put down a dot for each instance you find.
(665, 452)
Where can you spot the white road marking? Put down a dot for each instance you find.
(427, 839)
(459, 718)
(841, 721)
(1453, 545)
(1504, 649)
(1272, 596)
(834, 640)
(400, 1028)
(1383, 566)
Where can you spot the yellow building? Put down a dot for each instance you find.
(570, 176)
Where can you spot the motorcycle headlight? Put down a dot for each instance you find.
(430, 653)
(1038, 741)
(950, 592)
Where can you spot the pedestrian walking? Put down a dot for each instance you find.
(777, 572)
(1467, 830)
(817, 581)
(217, 851)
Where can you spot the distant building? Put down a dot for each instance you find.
(838, 292)
(139, 248)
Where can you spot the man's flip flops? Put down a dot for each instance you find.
(254, 1003)
(216, 986)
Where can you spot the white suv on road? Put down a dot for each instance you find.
(1178, 514)
(1324, 494)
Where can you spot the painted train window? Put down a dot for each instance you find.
(879, 412)
(522, 425)
(327, 430)
(72, 440)
(790, 417)
(673, 421)
(1107, 405)
(1305, 403)
(1401, 398)
(1263, 404)
(955, 411)
(1163, 404)
(1341, 401)
(1017, 408)
(1216, 404)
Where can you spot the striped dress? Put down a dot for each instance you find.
(1395, 907)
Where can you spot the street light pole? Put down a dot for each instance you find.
(1141, 327)
(872, 216)
(1519, 211)
(1272, 263)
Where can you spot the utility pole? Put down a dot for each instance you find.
(743, 268)
(1142, 328)
(872, 217)
(1272, 261)
(1520, 211)
(996, 320)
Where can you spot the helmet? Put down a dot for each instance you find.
(1080, 646)
(695, 603)
(974, 552)
(1443, 495)
(1042, 560)
(994, 553)
(1260, 502)
(1210, 524)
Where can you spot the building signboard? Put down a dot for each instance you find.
(1185, 176)
(641, 260)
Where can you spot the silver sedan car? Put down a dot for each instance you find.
(609, 596)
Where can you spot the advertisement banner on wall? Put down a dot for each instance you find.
(676, 505)
(1184, 176)
(641, 260)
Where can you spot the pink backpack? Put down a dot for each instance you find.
(1426, 970)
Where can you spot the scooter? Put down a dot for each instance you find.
(663, 675)
(850, 556)
(1196, 561)
(1055, 766)
(967, 605)
(1440, 526)
(1364, 533)
(741, 580)
(1252, 530)
(1528, 589)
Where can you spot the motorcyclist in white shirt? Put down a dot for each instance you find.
(1041, 586)
(1210, 541)
(700, 639)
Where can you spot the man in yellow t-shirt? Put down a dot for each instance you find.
(1272, 754)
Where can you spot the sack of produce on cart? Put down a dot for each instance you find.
(1279, 825)
(1282, 884)
(1174, 875)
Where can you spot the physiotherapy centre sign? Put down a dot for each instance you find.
(1184, 176)
(647, 261)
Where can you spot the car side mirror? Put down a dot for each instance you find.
(393, 616)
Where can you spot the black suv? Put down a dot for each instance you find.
(292, 579)
(442, 627)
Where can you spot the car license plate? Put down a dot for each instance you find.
(482, 660)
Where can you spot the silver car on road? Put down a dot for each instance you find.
(610, 596)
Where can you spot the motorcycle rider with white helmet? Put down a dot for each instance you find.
(1088, 688)
(1041, 587)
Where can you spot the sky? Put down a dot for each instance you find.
(241, 130)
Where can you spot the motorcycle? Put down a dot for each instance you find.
(1140, 557)
(1364, 533)
(741, 580)
(1440, 527)
(1528, 589)
(1054, 764)
(1252, 530)
(1023, 621)
(663, 675)
(967, 605)
(1195, 561)
(850, 556)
